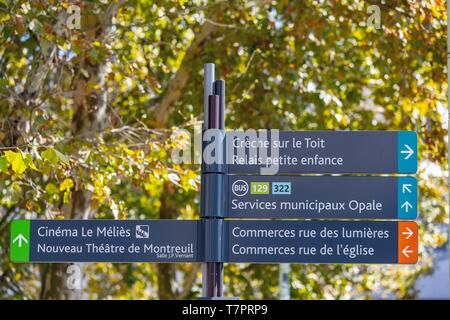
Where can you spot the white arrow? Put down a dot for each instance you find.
(20, 238)
(405, 205)
(410, 152)
(406, 251)
(406, 187)
(409, 233)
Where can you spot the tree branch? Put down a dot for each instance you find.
(178, 82)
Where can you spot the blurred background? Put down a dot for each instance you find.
(90, 92)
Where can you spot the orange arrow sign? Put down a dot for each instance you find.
(407, 242)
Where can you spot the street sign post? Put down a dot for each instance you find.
(324, 197)
(248, 185)
(214, 119)
(322, 151)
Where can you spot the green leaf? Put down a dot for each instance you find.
(62, 157)
(29, 162)
(51, 189)
(3, 164)
(36, 26)
(50, 156)
(54, 156)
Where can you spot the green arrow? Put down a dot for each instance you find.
(20, 241)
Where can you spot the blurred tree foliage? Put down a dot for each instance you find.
(87, 111)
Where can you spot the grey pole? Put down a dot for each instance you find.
(208, 90)
(284, 281)
(214, 270)
(209, 78)
(213, 188)
(219, 89)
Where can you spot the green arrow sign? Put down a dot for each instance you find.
(20, 240)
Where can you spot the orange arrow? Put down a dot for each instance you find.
(407, 242)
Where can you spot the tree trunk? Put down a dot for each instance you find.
(89, 117)
(166, 271)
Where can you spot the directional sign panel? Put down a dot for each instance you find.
(321, 151)
(104, 241)
(264, 241)
(328, 197)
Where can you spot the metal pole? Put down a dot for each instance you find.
(219, 122)
(214, 269)
(219, 89)
(212, 273)
(208, 90)
(284, 281)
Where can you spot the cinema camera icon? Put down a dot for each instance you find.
(142, 231)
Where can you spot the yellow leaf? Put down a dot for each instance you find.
(67, 184)
(33, 166)
(66, 197)
(16, 161)
(10, 155)
(423, 107)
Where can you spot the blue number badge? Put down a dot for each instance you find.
(281, 188)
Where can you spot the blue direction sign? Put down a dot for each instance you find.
(331, 197)
(321, 151)
(104, 241)
(263, 241)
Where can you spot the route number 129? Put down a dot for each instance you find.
(259, 188)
